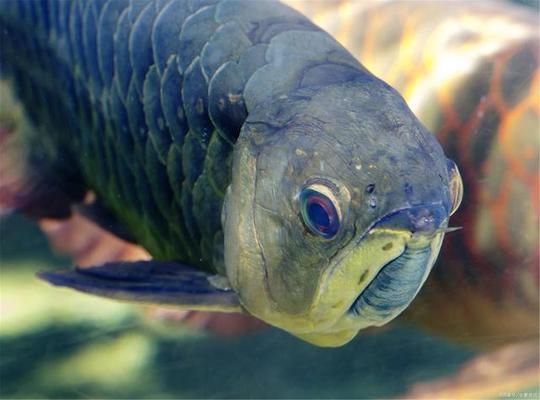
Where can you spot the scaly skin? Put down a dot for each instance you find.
(163, 141)
(237, 137)
(470, 72)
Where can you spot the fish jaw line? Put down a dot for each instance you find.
(352, 273)
(327, 324)
(399, 281)
(336, 295)
(336, 323)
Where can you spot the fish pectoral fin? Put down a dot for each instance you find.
(151, 282)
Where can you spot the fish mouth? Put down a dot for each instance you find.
(399, 280)
(395, 285)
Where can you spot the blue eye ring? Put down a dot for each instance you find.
(320, 211)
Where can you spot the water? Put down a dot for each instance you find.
(58, 344)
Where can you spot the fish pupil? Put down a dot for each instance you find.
(319, 217)
(319, 214)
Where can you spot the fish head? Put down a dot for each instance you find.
(337, 209)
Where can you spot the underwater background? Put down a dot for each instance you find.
(55, 343)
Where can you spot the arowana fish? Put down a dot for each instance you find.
(262, 166)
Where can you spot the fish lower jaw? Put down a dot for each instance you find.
(391, 288)
(396, 284)
(329, 339)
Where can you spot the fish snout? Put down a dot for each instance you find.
(422, 221)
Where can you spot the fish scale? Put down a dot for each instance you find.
(162, 164)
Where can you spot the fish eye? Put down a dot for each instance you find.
(456, 185)
(320, 211)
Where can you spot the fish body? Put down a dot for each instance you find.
(232, 138)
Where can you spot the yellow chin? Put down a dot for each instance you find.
(350, 275)
(332, 339)
(341, 285)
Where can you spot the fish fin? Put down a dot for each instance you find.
(152, 282)
(29, 182)
(103, 218)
